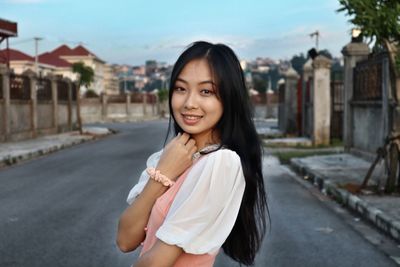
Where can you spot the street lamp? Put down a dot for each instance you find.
(356, 36)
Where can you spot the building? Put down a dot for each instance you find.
(81, 54)
(47, 64)
(111, 81)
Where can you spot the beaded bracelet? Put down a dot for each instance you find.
(157, 176)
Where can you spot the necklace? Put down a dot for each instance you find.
(205, 149)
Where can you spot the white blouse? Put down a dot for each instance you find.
(206, 206)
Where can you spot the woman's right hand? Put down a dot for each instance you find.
(177, 156)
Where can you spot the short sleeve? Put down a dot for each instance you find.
(152, 161)
(206, 206)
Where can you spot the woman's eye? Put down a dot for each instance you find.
(179, 89)
(206, 92)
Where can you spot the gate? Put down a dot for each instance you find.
(337, 105)
(308, 108)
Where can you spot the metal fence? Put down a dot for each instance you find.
(62, 90)
(138, 98)
(116, 98)
(20, 87)
(44, 89)
(337, 98)
(368, 79)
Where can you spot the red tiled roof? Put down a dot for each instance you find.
(51, 59)
(81, 51)
(14, 55)
(63, 50)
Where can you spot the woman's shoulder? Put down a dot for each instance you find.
(226, 157)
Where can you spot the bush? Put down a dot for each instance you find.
(90, 93)
(163, 95)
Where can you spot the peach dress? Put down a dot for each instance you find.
(198, 212)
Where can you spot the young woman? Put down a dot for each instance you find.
(205, 189)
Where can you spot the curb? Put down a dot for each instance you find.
(11, 160)
(376, 216)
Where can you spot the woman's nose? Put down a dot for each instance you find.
(191, 101)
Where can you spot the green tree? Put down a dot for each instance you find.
(259, 83)
(297, 62)
(378, 21)
(326, 53)
(86, 77)
(162, 98)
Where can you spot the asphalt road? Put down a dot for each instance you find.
(62, 210)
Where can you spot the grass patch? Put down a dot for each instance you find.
(334, 143)
(284, 157)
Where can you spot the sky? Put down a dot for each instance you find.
(133, 31)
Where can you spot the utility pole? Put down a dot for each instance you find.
(316, 34)
(37, 39)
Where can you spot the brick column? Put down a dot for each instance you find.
(352, 53)
(321, 96)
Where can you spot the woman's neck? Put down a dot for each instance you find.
(204, 140)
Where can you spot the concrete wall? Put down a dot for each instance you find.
(44, 117)
(28, 117)
(62, 113)
(91, 110)
(20, 116)
(367, 132)
(262, 111)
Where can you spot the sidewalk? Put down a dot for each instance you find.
(331, 174)
(15, 152)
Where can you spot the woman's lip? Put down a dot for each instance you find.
(191, 119)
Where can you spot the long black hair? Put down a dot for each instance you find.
(238, 133)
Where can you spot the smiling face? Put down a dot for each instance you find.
(195, 104)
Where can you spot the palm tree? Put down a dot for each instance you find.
(86, 77)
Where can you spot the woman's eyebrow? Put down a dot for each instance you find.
(186, 82)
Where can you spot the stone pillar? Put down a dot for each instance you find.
(104, 99)
(281, 106)
(54, 100)
(291, 101)
(128, 105)
(144, 104)
(5, 73)
(158, 105)
(34, 117)
(270, 109)
(69, 110)
(153, 107)
(321, 96)
(352, 53)
(77, 105)
(307, 75)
